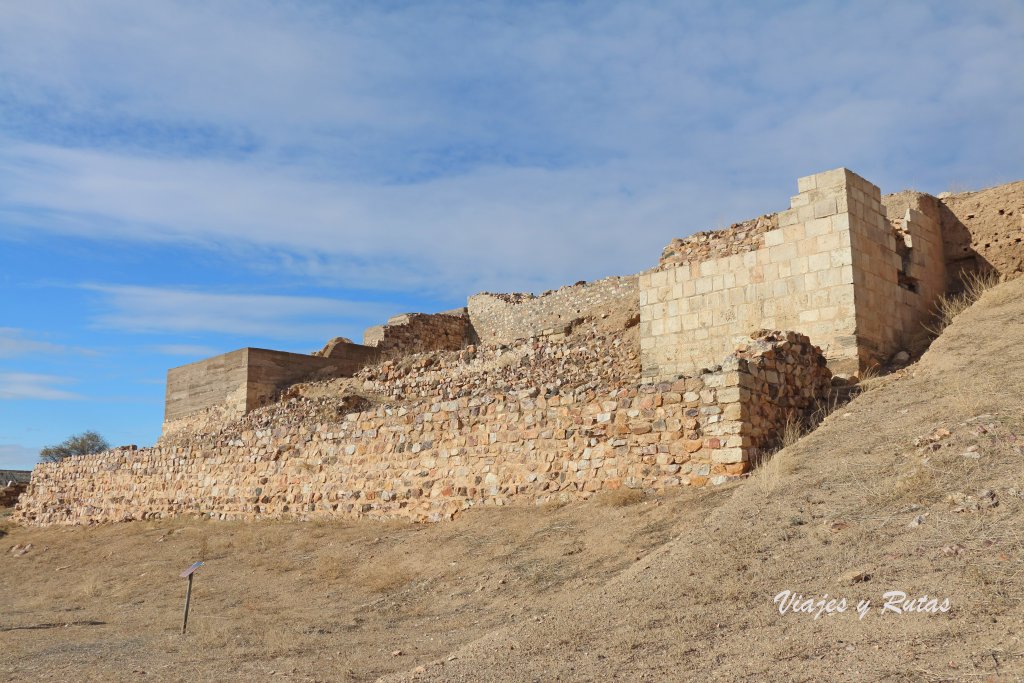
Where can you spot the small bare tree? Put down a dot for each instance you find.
(79, 444)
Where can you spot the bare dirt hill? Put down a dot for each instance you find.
(914, 486)
(918, 486)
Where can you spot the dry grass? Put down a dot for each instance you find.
(951, 305)
(679, 587)
(769, 471)
(620, 497)
(323, 600)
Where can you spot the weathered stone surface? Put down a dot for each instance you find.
(797, 270)
(565, 419)
(504, 318)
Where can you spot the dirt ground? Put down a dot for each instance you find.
(916, 486)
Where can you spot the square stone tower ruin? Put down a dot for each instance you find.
(860, 284)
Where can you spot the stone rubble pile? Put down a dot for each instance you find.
(738, 238)
(504, 318)
(549, 365)
(9, 493)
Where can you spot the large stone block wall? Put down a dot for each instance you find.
(503, 318)
(236, 382)
(410, 333)
(429, 460)
(899, 273)
(831, 269)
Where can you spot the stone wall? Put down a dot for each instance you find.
(832, 270)
(899, 272)
(502, 318)
(984, 231)
(10, 492)
(738, 238)
(410, 333)
(236, 382)
(430, 459)
(12, 484)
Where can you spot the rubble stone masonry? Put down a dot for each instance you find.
(428, 460)
(418, 332)
(503, 318)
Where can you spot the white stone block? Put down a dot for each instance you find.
(774, 238)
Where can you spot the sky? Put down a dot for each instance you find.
(182, 179)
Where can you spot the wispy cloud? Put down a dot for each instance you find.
(156, 309)
(436, 145)
(18, 342)
(26, 385)
(15, 457)
(14, 342)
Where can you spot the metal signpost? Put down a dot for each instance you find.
(188, 594)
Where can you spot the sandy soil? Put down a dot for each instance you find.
(914, 486)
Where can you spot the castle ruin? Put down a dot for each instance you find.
(684, 375)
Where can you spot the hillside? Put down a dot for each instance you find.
(676, 587)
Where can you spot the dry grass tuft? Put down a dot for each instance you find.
(620, 497)
(952, 305)
(870, 379)
(791, 433)
(383, 577)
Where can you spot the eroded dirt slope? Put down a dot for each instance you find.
(915, 486)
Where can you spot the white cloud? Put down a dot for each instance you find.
(500, 146)
(13, 342)
(155, 309)
(31, 386)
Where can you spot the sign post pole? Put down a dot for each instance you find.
(190, 572)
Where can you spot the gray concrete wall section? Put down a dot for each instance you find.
(207, 383)
(270, 371)
(247, 378)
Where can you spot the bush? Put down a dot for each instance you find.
(85, 443)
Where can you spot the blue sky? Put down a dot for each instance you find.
(179, 179)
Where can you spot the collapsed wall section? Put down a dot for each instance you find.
(12, 484)
(504, 318)
(899, 271)
(234, 383)
(832, 269)
(429, 460)
(410, 333)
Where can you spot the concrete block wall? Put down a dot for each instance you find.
(503, 318)
(270, 371)
(428, 460)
